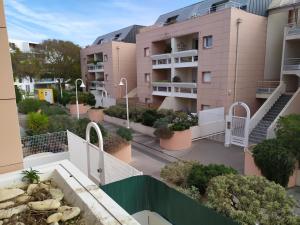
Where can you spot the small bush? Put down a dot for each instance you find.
(113, 143)
(61, 123)
(276, 162)
(29, 105)
(125, 133)
(18, 94)
(37, 123)
(136, 114)
(200, 175)
(191, 192)
(163, 132)
(117, 111)
(84, 98)
(176, 173)
(66, 99)
(251, 200)
(53, 110)
(149, 117)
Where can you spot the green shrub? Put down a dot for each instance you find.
(61, 123)
(183, 121)
(176, 173)
(136, 114)
(37, 123)
(53, 110)
(288, 132)
(149, 117)
(163, 132)
(191, 192)
(90, 99)
(275, 161)
(29, 105)
(125, 133)
(200, 175)
(66, 99)
(18, 94)
(113, 143)
(117, 111)
(84, 98)
(251, 200)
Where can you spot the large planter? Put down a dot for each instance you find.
(251, 169)
(123, 153)
(180, 140)
(81, 107)
(96, 115)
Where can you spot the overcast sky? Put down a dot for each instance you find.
(80, 21)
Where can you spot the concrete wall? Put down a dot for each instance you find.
(147, 217)
(10, 143)
(274, 44)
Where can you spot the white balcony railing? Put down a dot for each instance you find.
(188, 58)
(96, 85)
(161, 61)
(291, 64)
(266, 87)
(293, 31)
(183, 90)
(95, 68)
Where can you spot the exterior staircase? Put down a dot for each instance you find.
(259, 133)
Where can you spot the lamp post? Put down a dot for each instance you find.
(127, 110)
(82, 86)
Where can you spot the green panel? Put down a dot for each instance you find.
(140, 193)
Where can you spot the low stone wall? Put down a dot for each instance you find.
(138, 127)
(251, 169)
(180, 140)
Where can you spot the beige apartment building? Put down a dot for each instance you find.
(206, 55)
(110, 58)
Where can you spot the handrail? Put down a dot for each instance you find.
(266, 106)
(271, 128)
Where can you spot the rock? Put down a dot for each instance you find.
(70, 213)
(63, 208)
(1, 222)
(52, 223)
(7, 213)
(54, 218)
(31, 188)
(9, 193)
(20, 223)
(23, 198)
(48, 204)
(44, 186)
(6, 204)
(56, 193)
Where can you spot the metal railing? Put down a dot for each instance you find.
(95, 67)
(180, 89)
(293, 31)
(266, 87)
(291, 64)
(50, 142)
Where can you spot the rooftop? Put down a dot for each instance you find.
(282, 3)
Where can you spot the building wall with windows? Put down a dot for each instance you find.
(216, 55)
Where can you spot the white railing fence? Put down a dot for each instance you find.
(260, 113)
(292, 64)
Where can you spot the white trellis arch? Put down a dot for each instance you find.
(237, 128)
(101, 155)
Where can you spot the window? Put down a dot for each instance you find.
(207, 41)
(106, 77)
(146, 52)
(117, 36)
(100, 41)
(105, 58)
(171, 20)
(205, 107)
(147, 100)
(206, 77)
(195, 43)
(147, 77)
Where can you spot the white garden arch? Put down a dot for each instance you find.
(237, 127)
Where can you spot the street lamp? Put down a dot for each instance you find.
(82, 86)
(127, 110)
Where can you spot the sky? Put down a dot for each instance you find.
(80, 21)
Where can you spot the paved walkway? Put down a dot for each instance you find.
(149, 157)
(295, 192)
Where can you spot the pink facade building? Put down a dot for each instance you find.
(106, 61)
(206, 55)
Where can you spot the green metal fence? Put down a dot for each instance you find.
(140, 193)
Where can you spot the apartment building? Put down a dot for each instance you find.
(24, 46)
(206, 55)
(111, 57)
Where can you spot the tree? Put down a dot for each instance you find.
(251, 200)
(62, 59)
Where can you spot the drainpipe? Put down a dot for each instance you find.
(238, 22)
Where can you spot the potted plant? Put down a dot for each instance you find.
(96, 114)
(85, 101)
(119, 145)
(177, 135)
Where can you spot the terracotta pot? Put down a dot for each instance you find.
(124, 153)
(180, 140)
(250, 168)
(96, 115)
(82, 109)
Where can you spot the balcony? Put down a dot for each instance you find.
(161, 61)
(188, 58)
(265, 88)
(293, 33)
(96, 85)
(182, 90)
(95, 68)
(291, 64)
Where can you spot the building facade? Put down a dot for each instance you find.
(206, 55)
(110, 58)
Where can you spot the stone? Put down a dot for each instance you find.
(31, 188)
(9, 193)
(1, 222)
(52, 223)
(6, 204)
(48, 204)
(23, 198)
(56, 193)
(69, 213)
(63, 208)
(20, 223)
(54, 218)
(7, 213)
